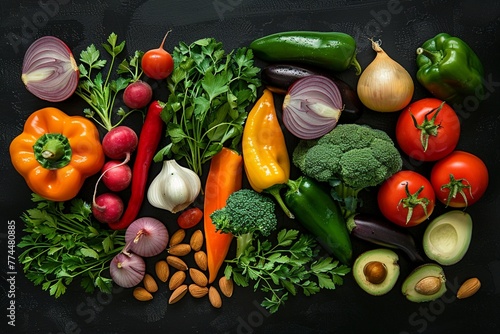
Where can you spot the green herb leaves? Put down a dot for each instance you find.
(63, 243)
(286, 267)
(209, 93)
(100, 90)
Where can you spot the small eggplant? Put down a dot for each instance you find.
(279, 77)
(383, 233)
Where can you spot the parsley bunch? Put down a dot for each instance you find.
(290, 265)
(209, 93)
(62, 244)
(100, 89)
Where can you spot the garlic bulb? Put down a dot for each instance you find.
(174, 188)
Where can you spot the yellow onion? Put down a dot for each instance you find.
(385, 85)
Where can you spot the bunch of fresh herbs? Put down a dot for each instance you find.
(63, 242)
(210, 91)
(286, 267)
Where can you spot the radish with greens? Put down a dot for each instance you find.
(157, 63)
(107, 208)
(116, 176)
(49, 69)
(137, 95)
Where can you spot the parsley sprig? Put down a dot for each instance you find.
(286, 267)
(63, 243)
(100, 89)
(209, 93)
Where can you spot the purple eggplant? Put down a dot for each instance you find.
(383, 233)
(279, 77)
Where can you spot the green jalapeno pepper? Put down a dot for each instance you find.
(449, 68)
(318, 213)
(335, 51)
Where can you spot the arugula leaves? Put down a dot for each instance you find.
(287, 267)
(209, 93)
(100, 90)
(63, 243)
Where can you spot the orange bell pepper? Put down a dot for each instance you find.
(224, 178)
(56, 152)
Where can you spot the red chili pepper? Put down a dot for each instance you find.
(151, 134)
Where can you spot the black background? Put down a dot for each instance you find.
(401, 25)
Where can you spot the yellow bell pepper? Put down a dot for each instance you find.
(56, 152)
(265, 156)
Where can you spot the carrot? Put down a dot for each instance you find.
(224, 178)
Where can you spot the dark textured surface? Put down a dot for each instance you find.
(401, 26)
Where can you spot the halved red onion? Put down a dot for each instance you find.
(146, 236)
(49, 69)
(312, 107)
(127, 269)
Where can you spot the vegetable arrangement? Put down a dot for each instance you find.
(214, 112)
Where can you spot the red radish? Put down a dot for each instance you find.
(116, 175)
(157, 63)
(107, 208)
(119, 142)
(137, 95)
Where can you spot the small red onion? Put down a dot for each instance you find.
(312, 107)
(127, 269)
(146, 236)
(49, 69)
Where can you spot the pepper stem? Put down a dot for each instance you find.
(434, 56)
(52, 150)
(275, 192)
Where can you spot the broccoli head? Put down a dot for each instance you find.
(246, 214)
(351, 157)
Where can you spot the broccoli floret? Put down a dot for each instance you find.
(351, 157)
(246, 214)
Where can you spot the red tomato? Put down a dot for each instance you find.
(189, 218)
(436, 126)
(403, 197)
(460, 179)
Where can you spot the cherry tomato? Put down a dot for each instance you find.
(189, 218)
(428, 130)
(406, 198)
(157, 63)
(460, 179)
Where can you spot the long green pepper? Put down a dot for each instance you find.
(318, 212)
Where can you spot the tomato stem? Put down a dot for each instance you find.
(428, 127)
(412, 200)
(457, 186)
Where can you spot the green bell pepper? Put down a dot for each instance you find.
(449, 68)
(317, 212)
(335, 51)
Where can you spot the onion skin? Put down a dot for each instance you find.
(385, 85)
(147, 236)
(127, 269)
(279, 77)
(49, 70)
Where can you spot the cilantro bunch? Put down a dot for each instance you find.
(209, 93)
(286, 267)
(63, 243)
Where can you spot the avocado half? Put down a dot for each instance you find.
(447, 238)
(376, 271)
(425, 283)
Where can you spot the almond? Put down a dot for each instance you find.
(468, 288)
(197, 291)
(142, 294)
(200, 258)
(179, 249)
(428, 285)
(196, 240)
(214, 297)
(162, 270)
(226, 286)
(198, 277)
(177, 237)
(176, 262)
(150, 283)
(176, 280)
(177, 294)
